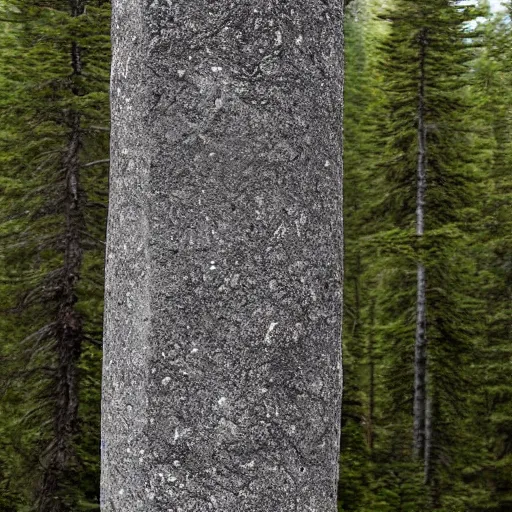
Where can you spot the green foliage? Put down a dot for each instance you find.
(465, 250)
(54, 91)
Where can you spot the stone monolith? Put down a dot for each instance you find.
(222, 365)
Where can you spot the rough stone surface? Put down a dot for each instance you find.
(222, 369)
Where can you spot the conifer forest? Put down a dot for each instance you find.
(427, 330)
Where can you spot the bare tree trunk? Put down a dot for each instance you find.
(60, 456)
(371, 393)
(428, 440)
(222, 367)
(69, 334)
(420, 347)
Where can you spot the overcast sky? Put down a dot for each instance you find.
(496, 4)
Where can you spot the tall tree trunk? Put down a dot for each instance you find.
(60, 455)
(420, 346)
(371, 392)
(222, 367)
(428, 440)
(357, 328)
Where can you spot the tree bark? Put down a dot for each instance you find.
(428, 441)
(371, 391)
(222, 367)
(420, 347)
(60, 455)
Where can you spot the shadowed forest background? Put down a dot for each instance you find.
(428, 85)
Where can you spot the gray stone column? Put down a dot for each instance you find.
(222, 369)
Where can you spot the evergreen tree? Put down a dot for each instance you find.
(464, 249)
(355, 469)
(430, 189)
(54, 146)
(493, 87)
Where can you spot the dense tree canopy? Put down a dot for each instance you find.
(421, 79)
(428, 122)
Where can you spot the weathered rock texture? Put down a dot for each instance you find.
(222, 374)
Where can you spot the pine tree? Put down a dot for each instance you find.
(354, 468)
(465, 253)
(55, 137)
(493, 87)
(362, 101)
(430, 181)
